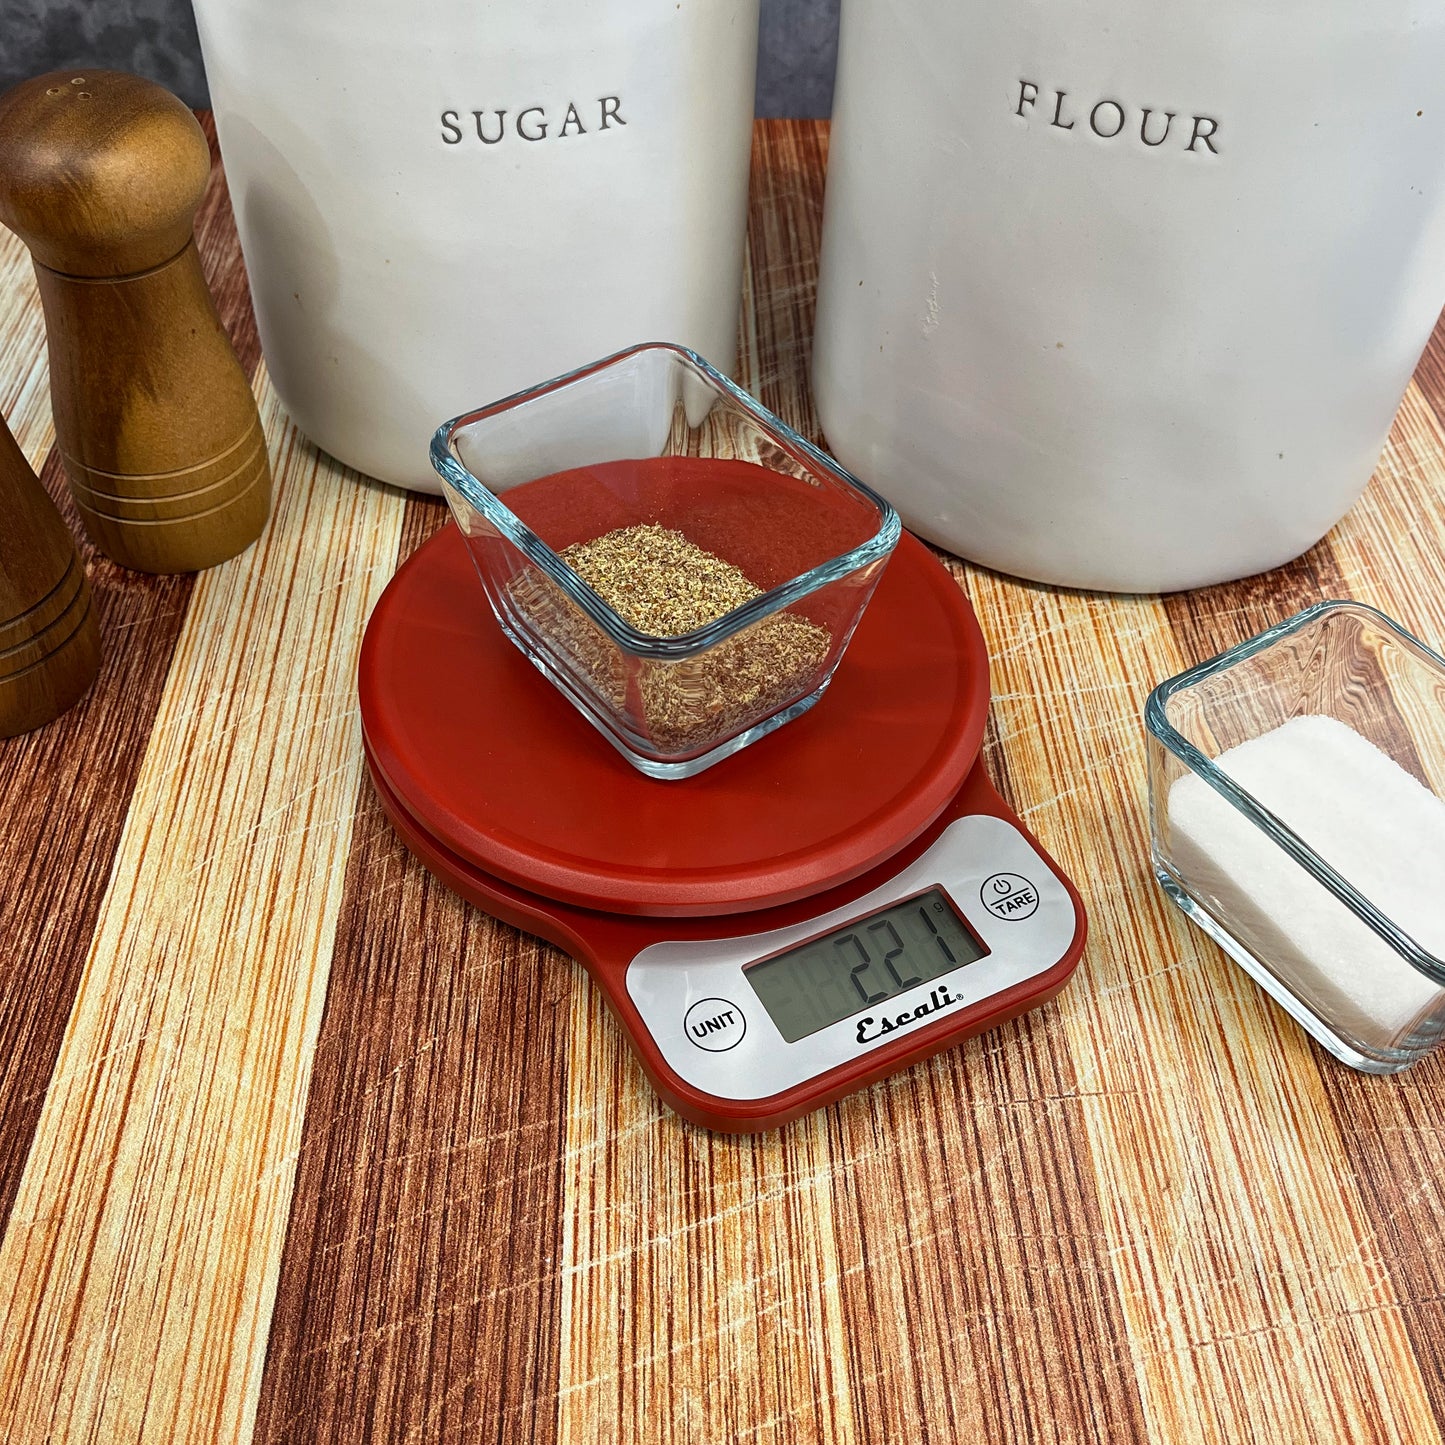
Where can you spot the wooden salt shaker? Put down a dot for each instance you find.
(49, 646)
(100, 176)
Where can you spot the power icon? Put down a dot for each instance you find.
(1010, 896)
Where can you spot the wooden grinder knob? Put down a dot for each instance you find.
(49, 647)
(100, 176)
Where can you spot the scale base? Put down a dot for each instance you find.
(606, 945)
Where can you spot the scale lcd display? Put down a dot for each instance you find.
(863, 964)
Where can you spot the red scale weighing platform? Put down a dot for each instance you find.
(838, 901)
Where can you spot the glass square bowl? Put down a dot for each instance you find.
(655, 438)
(1295, 793)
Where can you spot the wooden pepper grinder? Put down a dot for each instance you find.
(49, 646)
(100, 176)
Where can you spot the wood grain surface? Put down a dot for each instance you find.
(295, 1146)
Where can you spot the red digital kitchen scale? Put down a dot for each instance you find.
(845, 897)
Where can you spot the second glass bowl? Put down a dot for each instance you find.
(1297, 802)
(655, 437)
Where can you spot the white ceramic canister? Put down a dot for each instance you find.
(441, 204)
(1124, 295)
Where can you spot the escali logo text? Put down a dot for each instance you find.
(870, 1028)
(532, 122)
(1109, 119)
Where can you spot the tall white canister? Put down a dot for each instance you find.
(440, 204)
(1124, 293)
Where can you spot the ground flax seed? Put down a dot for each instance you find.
(664, 585)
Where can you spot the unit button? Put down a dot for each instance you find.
(1010, 896)
(715, 1024)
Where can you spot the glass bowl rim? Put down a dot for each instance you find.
(645, 644)
(1157, 721)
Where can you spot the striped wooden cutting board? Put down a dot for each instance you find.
(277, 1163)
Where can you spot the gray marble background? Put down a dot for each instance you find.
(157, 38)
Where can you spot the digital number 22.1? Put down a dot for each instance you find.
(866, 961)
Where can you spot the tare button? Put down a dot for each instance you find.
(714, 1024)
(1010, 896)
